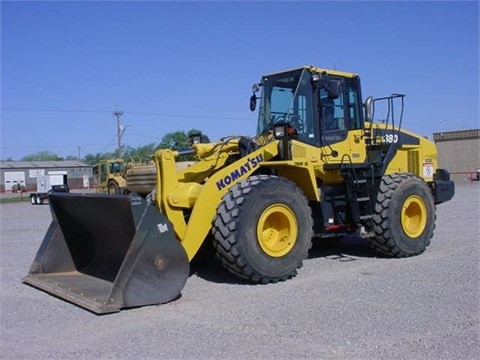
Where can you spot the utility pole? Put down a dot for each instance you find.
(117, 114)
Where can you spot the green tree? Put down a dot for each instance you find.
(177, 140)
(142, 154)
(42, 156)
(93, 159)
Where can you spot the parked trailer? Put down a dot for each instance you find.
(46, 184)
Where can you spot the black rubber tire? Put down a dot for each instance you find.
(33, 199)
(112, 188)
(238, 222)
(398, 193)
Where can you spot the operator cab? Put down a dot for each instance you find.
(320, 105)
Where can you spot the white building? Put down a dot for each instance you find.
(23, 174)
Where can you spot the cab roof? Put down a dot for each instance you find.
(312, 68)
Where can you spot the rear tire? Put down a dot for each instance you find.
(404, 217)
(33, 199)
(263, 229)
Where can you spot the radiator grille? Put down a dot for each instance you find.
(298, 151)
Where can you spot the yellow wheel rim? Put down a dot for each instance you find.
(414, 216)
(277, 230)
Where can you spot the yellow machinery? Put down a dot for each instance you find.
(110, 176)
(318, 167)
(142, 178)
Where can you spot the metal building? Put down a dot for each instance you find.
(459, 152)
(23, 174)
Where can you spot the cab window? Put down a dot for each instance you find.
(342, 113)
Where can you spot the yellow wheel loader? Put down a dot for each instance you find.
(318, 167)
(110, 176)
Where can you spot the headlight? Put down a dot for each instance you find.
(280, 131)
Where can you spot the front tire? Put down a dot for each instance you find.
(263, 229)
(404, 218)
(113, 188)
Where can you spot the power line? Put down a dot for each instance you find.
(46, 145)
(145, 113)
(110, 143)
(188, 116)
(157, 138)
(54, 110)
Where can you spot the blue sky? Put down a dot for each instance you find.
(66, 66)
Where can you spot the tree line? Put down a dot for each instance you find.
(177, 140)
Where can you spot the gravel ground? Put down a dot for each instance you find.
(345, 303)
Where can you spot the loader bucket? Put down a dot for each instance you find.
(107, 252)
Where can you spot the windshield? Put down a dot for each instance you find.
(117, 167)
(286, 97)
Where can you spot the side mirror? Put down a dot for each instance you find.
(253, 102)
(369, 109)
